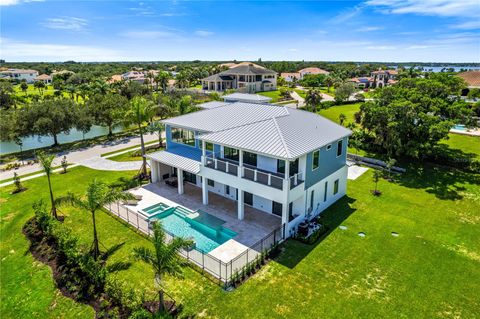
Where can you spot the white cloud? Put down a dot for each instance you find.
(469, 25)
(445, 8)
(25, 51)
(203, 33)
(369, 29)
(293, 50)
(149, 34)
(66, 23)
(15, 2)
(381, 47)
(418, 47)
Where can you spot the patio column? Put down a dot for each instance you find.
(180, 181)
(154, 171)
(204, 191)
(204, 152)
(240, 163)
(240, 209)
(285, 215)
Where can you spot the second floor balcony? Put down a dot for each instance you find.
(253, 173)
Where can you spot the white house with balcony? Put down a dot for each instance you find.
(287, 163)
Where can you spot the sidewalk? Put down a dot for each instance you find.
(81, 155)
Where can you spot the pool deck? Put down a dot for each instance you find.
(471, 132)
(255, 226)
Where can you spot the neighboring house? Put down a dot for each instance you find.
(472, 78)
(361, 83)
(283, 162)
(233, 65)
(383, 78)
(244, 78)
(290, 77)
(314, 71)
(19, 75)
(47, 79)
(115, 78)
(295, 76)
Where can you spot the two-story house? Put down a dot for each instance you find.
(284, 162)
(382, 78)
(246, 78)
(19, 75)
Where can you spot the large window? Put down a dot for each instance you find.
(276, 208)
(189, 177)
(210, 183)
(209, 146)
(325, 193)
(339, 148)
(316, 159)
(250, 158)
(248, 198)
(183, 136)
(335, 187)
(230, 153)
(293, 167)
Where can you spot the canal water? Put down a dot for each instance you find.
(34, 142)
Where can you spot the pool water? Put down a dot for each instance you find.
(183, 223)
(459, 127)
(154, 209)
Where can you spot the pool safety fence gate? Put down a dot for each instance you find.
(223, 272)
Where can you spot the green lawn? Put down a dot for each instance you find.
(430, 270)
(128, 156)
(48, 90)
(465, 143)
(334, 112)
(274, 95)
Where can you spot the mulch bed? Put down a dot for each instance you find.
(45, 252)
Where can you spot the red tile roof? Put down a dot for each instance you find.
(471, 77)
(313, 71)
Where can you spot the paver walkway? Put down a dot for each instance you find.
(104, 164)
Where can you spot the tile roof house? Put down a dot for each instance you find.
(19, 74)
(285, 163)
(381, 78)
(47, 79)
(472, 78)
(247, 78)
(294, 76)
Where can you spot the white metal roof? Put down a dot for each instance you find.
(228, 116)
(212, 104)
(181, 162)
(248, 98)
(271, 130)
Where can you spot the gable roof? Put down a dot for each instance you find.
(471, 77)
(247, 69)
(313, 70)
(218, 77)
(43, 77)
(264, 129)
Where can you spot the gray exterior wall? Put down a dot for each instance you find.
(329, 163)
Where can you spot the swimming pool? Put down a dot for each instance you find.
(459, 127)
(204, 229)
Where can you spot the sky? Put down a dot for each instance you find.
(368, 30)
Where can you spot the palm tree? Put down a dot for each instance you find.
(164, 258)
(313, 99)
(97, 196)
(342, 117)
(40, 86)
(162, 80)
(46, 163)
(141, 111)
(24, 87)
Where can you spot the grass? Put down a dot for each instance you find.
(128, 148)
(128, 156)
(430, 270)
(48, 90)
(333, 113)
(274, 95)
(32, 173)
(465, 143)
